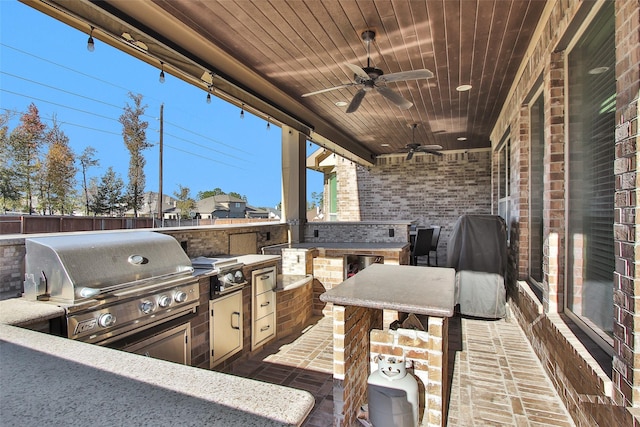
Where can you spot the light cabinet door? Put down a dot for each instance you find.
(265, 304)
(225, 327)
(264, 280)
(173, 345)
(265, 328)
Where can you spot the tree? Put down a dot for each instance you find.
(237, 195)
(185, 203)
(109, 198)
(135, 139)
(8, 188)
(317, 198)
(87, 159)
(25, 142)
(59, 170)
(215, 192)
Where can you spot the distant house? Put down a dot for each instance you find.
(149, 207)
(266, 213)
(221, 206)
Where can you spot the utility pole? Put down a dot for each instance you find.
(160, 165)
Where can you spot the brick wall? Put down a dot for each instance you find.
(555, 345)
(580, 381)
(347, 231)
(12, 253)
(626, 366)
(427, 189)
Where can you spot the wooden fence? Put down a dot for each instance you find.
(30, 224)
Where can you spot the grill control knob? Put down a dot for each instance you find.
(147, 307)
(164, 301)
(106, 320)
(180, 296)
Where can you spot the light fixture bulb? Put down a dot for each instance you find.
(90, 44)
(242, 112)
(208, 98)
(161, 72)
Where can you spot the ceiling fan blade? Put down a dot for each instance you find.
(358, 71)
(356, 101)
(429, 147)
(437, 153)
(402, 103)
(409, 155)
(405, 75)
(327, 90)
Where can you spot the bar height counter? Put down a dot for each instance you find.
(358, 305)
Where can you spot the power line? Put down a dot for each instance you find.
(198, 155)
(115, 120)
(61, 90)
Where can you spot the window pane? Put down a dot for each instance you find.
(536, 167)
(592, 91)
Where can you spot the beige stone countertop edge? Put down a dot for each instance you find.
(49, 380)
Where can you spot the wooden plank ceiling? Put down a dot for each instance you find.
(302, 46)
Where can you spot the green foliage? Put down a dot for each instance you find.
(87, 159)
(25, 143)
(59, 172)
(9, 191)
(185, 203)
(135, 139)
(215, 192)
(109, 198)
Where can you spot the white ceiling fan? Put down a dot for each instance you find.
(370, 78)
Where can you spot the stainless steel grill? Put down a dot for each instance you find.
(112, 285)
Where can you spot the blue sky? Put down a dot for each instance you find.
(206, 146)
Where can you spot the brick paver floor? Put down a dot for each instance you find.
(496, 379)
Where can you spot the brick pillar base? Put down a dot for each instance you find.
(426, 353)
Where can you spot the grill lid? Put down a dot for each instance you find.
(71, 268)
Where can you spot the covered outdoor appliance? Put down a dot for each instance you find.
(477, 250)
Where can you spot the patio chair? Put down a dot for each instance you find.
(422, 245)
(434, 244)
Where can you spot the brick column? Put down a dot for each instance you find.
(554, 185)
(626, 370)
(351, 326)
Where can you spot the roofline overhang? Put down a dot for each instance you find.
(233, 82)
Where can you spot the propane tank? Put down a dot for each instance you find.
(393, 394)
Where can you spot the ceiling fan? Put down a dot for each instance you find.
(371, 78)
(417, 148)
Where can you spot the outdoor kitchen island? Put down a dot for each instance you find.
(50, 380)
(358, 304)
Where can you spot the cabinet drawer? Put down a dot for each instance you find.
(265, 304)
(264, 280)
(264, 328)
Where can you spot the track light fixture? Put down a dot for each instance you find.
(242, 111)
(209, 95)
(90, 44)
(161, 72)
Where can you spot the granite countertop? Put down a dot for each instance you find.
(370, 246)
(49, 380)
(22, 312)
(410, 289)
(252, 259)
(288, 282)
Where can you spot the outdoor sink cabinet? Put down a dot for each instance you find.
(358, 305)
